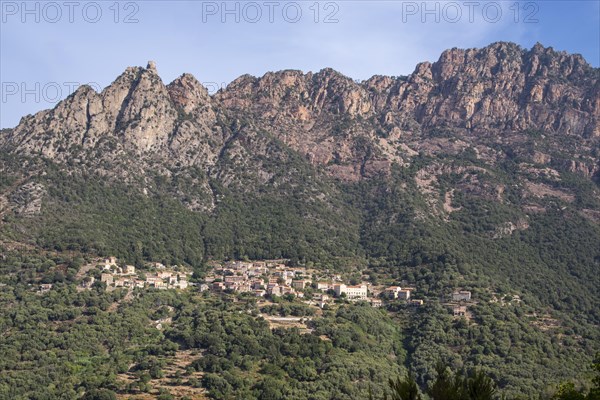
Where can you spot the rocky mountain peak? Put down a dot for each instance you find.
(350, 127)
(147, 115)
(135, 109)
(297, 95)
(501, 87)
(340, 94)
(188, 94)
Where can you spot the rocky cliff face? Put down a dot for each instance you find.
(137, 117)
(356, 129)
(135, 108)
(504, 88)
(352, 129)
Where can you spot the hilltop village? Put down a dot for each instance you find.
(114, 275)
(275, 278)
(265, 279)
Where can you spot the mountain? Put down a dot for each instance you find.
(538, 109)
(480, 170)
(501, 89)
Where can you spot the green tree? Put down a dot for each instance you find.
(567, 391)
(99, 394)
(404, 390)
(480, 386)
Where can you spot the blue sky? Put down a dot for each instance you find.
(47, 47)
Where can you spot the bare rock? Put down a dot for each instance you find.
(27, 199)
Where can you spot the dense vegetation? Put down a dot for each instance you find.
(534, 323)
(63, 343)
(476, 386)
(66, 342)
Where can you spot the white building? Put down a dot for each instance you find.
(182, 284)
(376, 303)
(109, 263)
(274, 289)
(392, 292)
(351, 292)
(203, 287)
(323, 299)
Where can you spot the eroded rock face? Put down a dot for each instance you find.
(501, 87)
(353, 129)
(189, 95)
(135, 108)
(587, 169)
(312, 113)
(296, 95)
(148, 118)
(498, 89)
(27, 199)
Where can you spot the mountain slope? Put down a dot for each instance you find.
(479, 171)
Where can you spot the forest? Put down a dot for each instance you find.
(532, 332)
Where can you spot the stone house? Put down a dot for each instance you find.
(392, 292)
(459, 311)
(376, 303)
(107, 278)
(461, 295)
(203, 287)
(129, 270)
(300, 284)
(45, 287)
